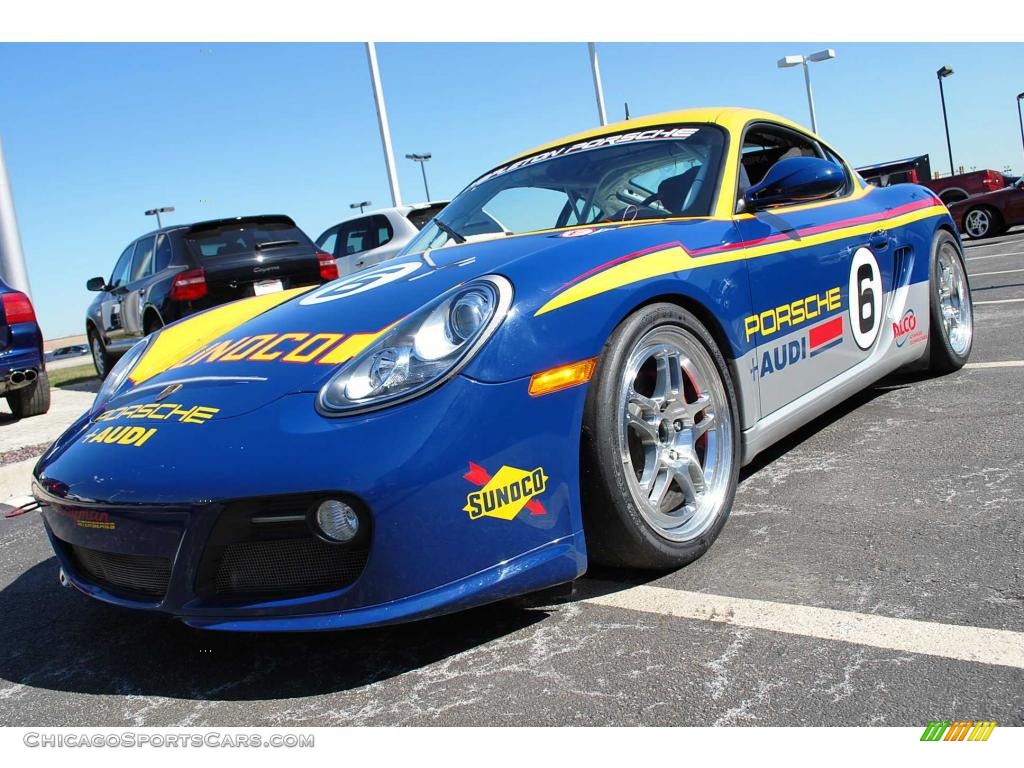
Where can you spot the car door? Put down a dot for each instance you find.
(110, 301)
(132, 300)
(816, 274)
(355, 238)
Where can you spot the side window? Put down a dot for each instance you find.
(120, 274)
(357, 236)
(763, 146)
(142, 264)
(384, 230)
(163, 253)
(328, 240)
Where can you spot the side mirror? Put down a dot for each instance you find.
(795, 180)
(96, 284)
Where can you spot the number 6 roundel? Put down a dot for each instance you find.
(865, 298)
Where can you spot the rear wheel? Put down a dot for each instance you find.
(952, 314)
(33, 400)
(100, 359)
(153, 323)
(982, 222)
(660, 443)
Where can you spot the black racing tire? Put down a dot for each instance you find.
(985, 221)
(101, 359)
(947, 264)
(619, 532)
(33, 400)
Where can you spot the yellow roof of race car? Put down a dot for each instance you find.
(731, 118)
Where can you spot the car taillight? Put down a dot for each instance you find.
(189, 285)
(991, 180)
(328, 266)
(913, 176)
(18, 308)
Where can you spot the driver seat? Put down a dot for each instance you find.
(672, 191)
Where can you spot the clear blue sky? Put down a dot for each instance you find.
(95, 134)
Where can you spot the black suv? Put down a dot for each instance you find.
(179, 270)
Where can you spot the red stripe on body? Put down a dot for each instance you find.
(826, 332)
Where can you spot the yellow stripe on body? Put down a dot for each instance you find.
(178, 341)
(676, 259)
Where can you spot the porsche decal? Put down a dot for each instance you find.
(196, 414)
(506, 493)
(793, 314)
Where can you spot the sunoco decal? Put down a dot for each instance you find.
(506, 493)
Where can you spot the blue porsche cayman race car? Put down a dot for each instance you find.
(571, 362)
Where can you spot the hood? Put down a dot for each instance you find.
(292, 341)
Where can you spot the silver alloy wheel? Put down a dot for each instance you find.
(978, 222)
(675, 433)
(97, 355)
(954, 300)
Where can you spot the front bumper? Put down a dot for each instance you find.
(167, 500)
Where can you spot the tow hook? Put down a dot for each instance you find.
(16, 506)
(63, 578)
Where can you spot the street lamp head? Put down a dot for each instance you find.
(361, 205)
(1020, 97)
(418, 157)
(790, 61)
(155, 211)
(944, 72)
(828, 53)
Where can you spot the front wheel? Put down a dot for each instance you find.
(661, 455)
(100, 359)
(952, 314)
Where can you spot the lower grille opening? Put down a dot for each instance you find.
(287, 565)
(134, 574)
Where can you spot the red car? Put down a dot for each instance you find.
(991, 213)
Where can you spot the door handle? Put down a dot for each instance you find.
(879, 240)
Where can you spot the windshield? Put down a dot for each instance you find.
(669, 171)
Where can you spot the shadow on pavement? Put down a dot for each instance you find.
(58, 639)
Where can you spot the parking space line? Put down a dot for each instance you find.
(999, 647)
(994, 255)
(998, 301)
(997, 364)
(1000, 272)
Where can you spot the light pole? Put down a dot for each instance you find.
(795, 61)
(422, 160)
(382, 124)
(595, 70)
(942, 74)
(157, 211)
(12, 260)
(1020, 98)
(361, 205)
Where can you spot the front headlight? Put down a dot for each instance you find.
(118, 375)
(422, 351)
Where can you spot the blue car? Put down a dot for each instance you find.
(569, 364)
(23, 379)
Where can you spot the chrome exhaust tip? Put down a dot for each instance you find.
(18, 377)
(30, 375)
(63, 579)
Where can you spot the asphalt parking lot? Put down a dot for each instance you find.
(872, 573)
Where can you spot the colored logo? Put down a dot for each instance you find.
(906, 329)
(136, 436)
(506, 493)
(819, 338)
(794, 314)
(87, 518)
(958, 730)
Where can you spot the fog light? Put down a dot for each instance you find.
(337, 520)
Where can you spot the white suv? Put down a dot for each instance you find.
(375, 236)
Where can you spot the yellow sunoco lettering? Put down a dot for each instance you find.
(244, 350)
(264, 355)
(299, 354)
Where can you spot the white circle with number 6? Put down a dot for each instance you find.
(865, 298)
